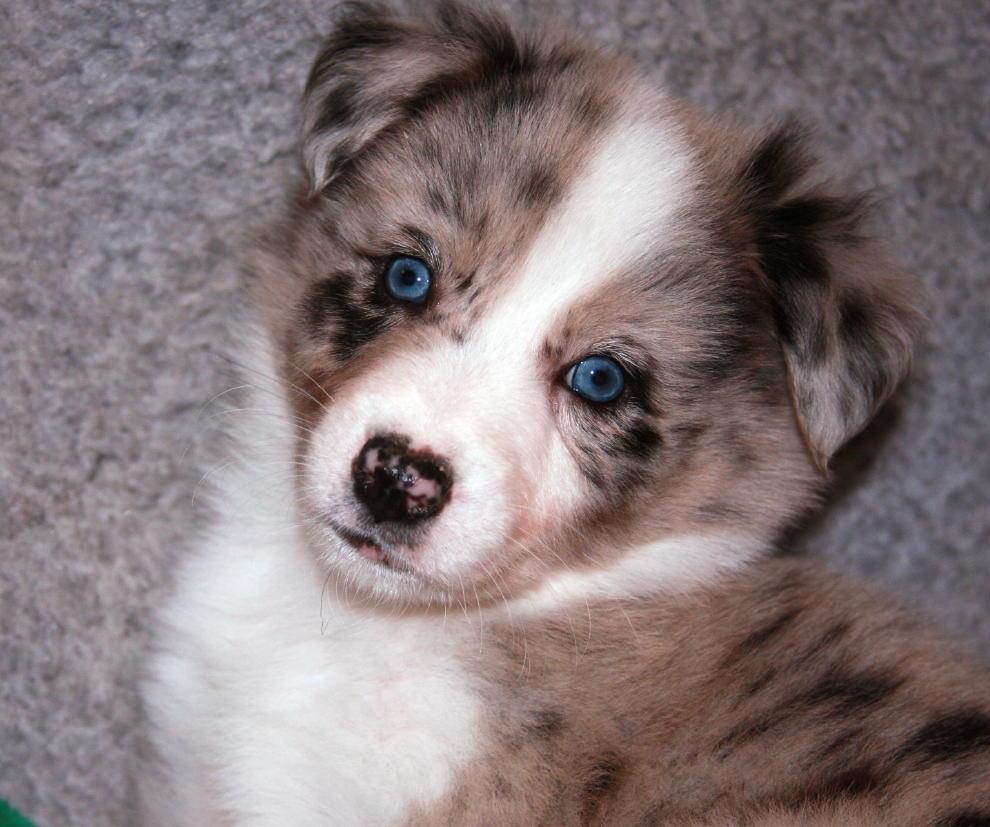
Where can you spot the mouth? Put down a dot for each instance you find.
(370, 548)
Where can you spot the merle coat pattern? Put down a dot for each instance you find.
(586, 624)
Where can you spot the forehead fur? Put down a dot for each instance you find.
(378, 72)
(477, 159)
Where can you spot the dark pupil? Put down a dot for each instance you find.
(599, 377)
(408, 277)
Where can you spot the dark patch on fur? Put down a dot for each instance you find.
(363, 28)
(603, 779)
(759, 638)
(820, 651)
(747, 731)
(330, 311)
(641, 440)
(836, 632)
(500, 55)
(339, 107)
(859, 332)
(844, 693)
(854, 321)
(816, 217)
(488, 33)
(792, 239)
(799, 271)
(760, 683)
(790, 236)
(591, 110)
(541, 186)
(777, 164)
(965, 818)
(814, 346)
(852, 782)
(948, 737)
(840, 742)
(438, 200)
(852, 693)
(501, 785)
(592, 469)
(512, 95)
(552, 352)
(736, 318)
(545, 724)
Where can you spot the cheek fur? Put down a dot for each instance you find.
(616, 446)
(346, 313)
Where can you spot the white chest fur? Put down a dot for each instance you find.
(272, 709)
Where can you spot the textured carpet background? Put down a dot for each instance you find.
(136, 140)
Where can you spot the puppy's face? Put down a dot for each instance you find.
(537, 319)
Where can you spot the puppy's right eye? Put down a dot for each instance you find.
(597, 379)
(408, 279)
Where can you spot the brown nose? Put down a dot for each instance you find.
(398, 484)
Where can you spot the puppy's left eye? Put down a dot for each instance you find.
(408, 279)
(596, 378)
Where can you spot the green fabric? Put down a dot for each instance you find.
(9, 817)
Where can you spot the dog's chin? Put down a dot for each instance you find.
(368, 567)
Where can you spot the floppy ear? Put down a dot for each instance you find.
(376, 68)
(847, 317)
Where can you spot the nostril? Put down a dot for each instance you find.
(427, 484)
(396, 482)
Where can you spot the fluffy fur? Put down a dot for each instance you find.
(590, 631)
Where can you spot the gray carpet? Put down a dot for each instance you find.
(136, 140)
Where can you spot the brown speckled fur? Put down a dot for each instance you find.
(783, 696)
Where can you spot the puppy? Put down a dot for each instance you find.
(544, 363)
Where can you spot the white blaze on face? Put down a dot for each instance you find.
(629, 197)
(484, 404)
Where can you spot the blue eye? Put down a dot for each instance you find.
(597, 379)
(408, 279)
